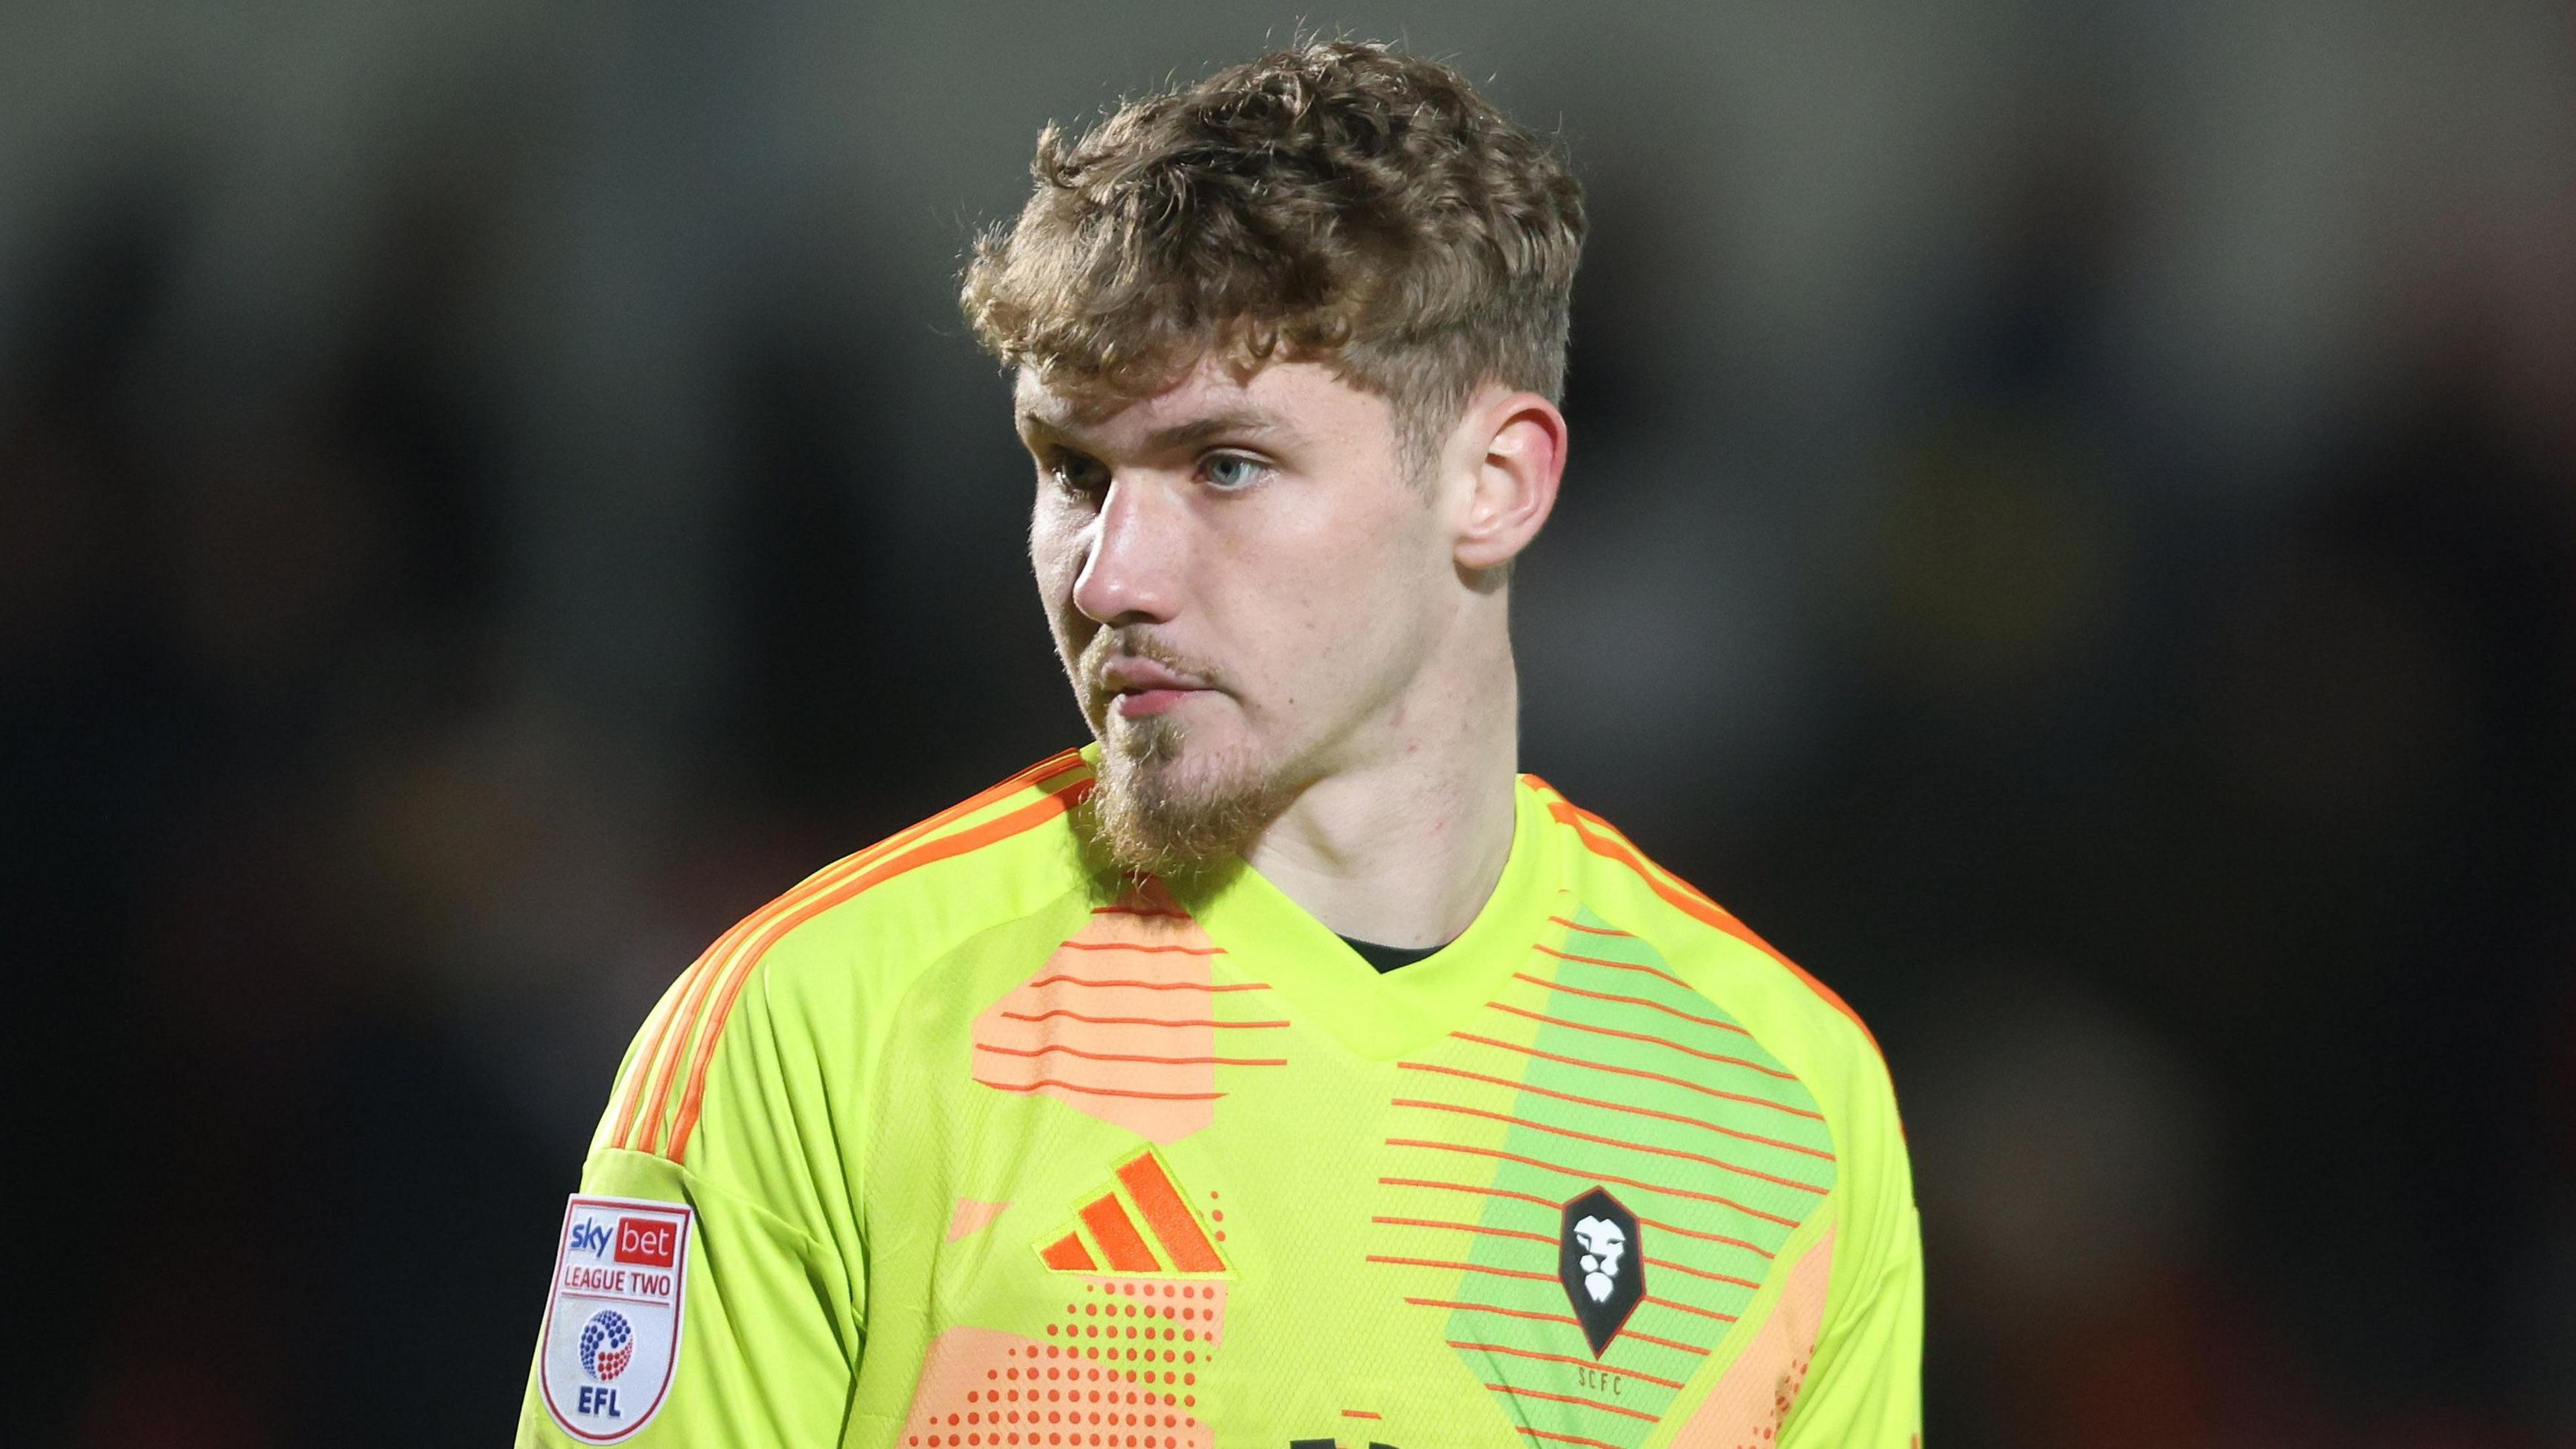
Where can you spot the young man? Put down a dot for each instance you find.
(1281, 1068)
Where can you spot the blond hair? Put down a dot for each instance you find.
(1337, 202)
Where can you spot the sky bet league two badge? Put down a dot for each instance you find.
(613, 1315)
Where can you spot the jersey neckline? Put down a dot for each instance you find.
(1383, 1015)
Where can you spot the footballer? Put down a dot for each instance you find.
(1282, 1067)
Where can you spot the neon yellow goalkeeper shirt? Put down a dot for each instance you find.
(970, 1140)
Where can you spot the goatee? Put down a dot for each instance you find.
(1161, 808)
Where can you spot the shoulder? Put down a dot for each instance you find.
(1800, 1019)
(841, 945)
(1794, 1025)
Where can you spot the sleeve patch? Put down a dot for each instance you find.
(612, 1338)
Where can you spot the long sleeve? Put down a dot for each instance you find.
(755, 1344)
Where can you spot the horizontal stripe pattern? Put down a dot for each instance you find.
(1597, 1066)
(1128, 1020)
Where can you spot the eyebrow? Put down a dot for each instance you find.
(1191, 434)
(1179, 435)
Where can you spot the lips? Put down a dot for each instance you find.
(1139, 687)
(1128, 674)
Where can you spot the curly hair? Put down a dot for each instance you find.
(1338, 202)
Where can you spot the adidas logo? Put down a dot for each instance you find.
(1141, 1224)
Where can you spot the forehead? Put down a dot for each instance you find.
(1305, 401)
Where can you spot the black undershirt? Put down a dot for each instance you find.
(1387, 958)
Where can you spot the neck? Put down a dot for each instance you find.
(1404, 847)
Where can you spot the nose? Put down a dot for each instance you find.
(1130, 576)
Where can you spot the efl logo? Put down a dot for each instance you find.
(647, 1241)
(613, 1324)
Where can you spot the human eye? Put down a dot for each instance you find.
(1232, 472)
(1072, 472)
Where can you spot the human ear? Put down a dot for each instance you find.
(1522, 455)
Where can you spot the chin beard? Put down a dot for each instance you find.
(1159, 808)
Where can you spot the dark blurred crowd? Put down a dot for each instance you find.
(2072, 534)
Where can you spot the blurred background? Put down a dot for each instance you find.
(2072, 533)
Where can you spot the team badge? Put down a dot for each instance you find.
(1599, 1260)
(613, 1315)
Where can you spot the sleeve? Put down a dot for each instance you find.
(753, 1347)
(1865, 1390)
(704, 1292)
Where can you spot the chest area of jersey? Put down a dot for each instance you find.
(1174, 1211)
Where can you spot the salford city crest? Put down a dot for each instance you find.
(612, 1335)
(1599, 1258)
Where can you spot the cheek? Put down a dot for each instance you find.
(1376, 560)
(1055, 553)
(1345, 597)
